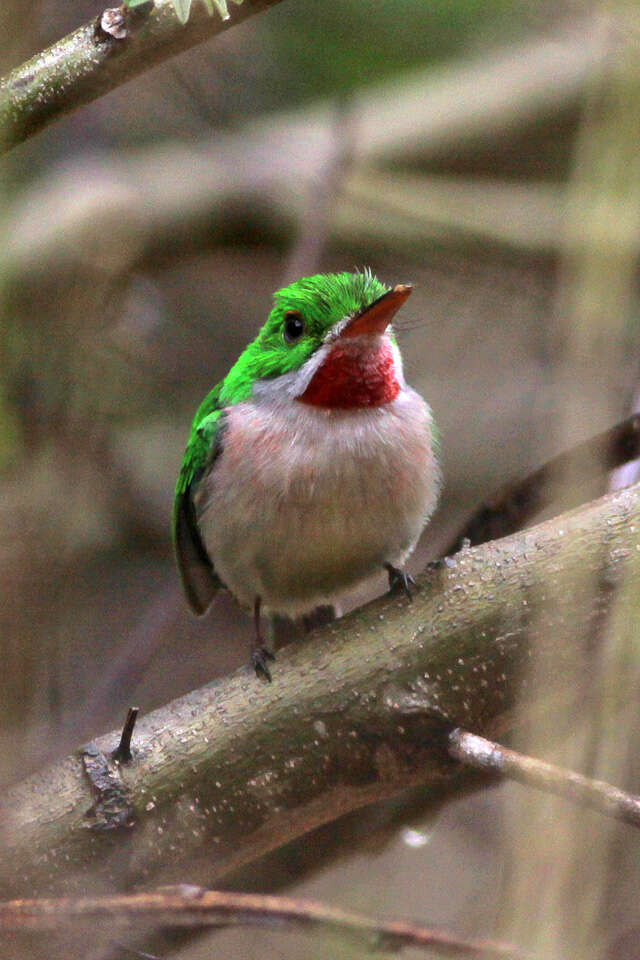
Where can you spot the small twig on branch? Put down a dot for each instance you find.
(122, 753)
(482, 754)
(191, 906)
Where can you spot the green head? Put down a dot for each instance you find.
(306, 316)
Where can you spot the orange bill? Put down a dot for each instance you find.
(377, 317)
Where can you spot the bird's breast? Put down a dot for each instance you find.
(305, 501)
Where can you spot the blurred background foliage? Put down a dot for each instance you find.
(485, 151)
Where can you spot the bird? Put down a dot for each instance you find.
(312, 465)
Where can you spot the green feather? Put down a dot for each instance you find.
(196, 570)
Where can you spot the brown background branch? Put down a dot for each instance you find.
(190, 906)
(517, 503)
(132, 197)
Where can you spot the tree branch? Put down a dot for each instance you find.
(483, 754)
(91, 61)
(516, 504)
(111, 209)
(190, 906)
(358, 712)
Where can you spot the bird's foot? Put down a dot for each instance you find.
(399, 580)
(260, 657)
(260, 654)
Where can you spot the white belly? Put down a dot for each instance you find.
(304, 503)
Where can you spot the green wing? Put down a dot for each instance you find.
(196, 569)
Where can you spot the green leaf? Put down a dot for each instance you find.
(182, 8)
(221, 5)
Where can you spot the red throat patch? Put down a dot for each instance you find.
(352, 377)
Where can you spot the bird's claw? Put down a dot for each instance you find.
(260, 658)
(399, 580)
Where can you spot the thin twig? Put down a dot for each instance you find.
(482, 754)
(190, 906)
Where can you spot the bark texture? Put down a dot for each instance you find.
(360, 710)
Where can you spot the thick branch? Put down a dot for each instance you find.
(90, 62)
(359, 711)
(189, 906)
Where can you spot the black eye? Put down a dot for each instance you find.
(293, 326)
